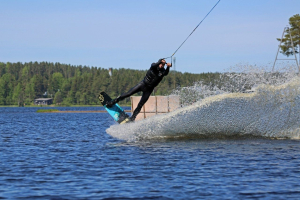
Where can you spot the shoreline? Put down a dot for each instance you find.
(50, 106)
(80, 111)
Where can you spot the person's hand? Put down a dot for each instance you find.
(169, 65)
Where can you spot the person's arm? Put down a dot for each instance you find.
(168, 69)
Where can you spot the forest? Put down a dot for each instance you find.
(21, 83)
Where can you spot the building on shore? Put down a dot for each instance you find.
(43, 101)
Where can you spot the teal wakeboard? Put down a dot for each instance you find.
(117, 113)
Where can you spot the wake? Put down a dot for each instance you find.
(271, 111)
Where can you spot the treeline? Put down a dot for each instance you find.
(21, 83)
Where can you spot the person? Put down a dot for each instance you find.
(153, 77)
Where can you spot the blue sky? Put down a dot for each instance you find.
(135, 33)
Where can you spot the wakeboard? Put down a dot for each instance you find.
(117, 113)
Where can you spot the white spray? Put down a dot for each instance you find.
(249, 102)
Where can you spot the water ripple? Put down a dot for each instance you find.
(70, 156)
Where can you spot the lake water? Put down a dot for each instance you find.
(71, 156)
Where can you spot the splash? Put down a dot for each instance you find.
(269, 109)
(238, 79)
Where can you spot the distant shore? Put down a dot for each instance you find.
(81, 111)
(72, 111)
(49, 106)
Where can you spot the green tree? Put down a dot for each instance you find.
(29, 92)
(83, 99)
(286, 47)
(56, 82)
(18, 95)
(2, 92)
(2, 69)
(6, 89)
(58, 98)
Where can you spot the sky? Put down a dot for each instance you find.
(135, 33)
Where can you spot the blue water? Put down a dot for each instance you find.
(70, 156)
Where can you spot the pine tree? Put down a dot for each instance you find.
(286, 47)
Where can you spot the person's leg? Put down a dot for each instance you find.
(144, 99)
(132, 91)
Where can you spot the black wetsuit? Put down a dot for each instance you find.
(152, 79)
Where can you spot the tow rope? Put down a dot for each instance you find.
(193, 31)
